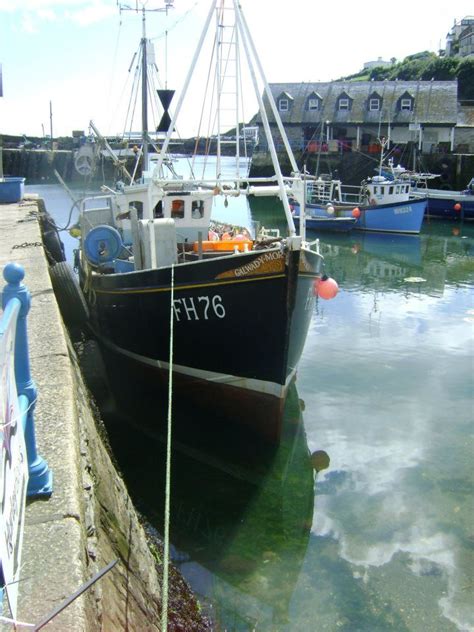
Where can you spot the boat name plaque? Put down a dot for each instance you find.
(268, 262)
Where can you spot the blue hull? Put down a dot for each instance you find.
(328, 224)
(444, 207)
(399, 217)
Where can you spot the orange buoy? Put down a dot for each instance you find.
(326, 287)
(457, 207)
(356, 212)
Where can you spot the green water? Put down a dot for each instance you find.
(383, 539)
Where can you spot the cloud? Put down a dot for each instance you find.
(28, 24)
(92, 13)
(82, 12)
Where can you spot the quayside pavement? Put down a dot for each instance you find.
(53, 555)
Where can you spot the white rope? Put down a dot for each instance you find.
(164, 600)
(17, 623)
(13, 421)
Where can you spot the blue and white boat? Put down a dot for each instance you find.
(379, 204)
(317, 223)
(447, 204)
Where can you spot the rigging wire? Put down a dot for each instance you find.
(114, 67)
(176, 23)
(164, 606)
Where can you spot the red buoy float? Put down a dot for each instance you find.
(356, 212)
(457, 207)
(326, 288)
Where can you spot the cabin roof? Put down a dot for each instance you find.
(435, 102)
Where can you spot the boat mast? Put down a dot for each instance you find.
(144, 93)
(144, 70)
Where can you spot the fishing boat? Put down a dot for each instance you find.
(445, 204)
(382, 203)
(317, 222)
(222, 311)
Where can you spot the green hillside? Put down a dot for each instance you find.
(426, 66)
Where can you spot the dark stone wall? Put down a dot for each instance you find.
(455, 170)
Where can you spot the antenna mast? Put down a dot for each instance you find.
(144, 67)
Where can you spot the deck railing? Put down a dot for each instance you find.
(23, 473)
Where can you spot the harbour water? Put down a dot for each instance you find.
(383, 539)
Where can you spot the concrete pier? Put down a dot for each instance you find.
(89, 521)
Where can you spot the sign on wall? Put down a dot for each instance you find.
(13, 470)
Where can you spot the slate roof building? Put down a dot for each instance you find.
(345, 116)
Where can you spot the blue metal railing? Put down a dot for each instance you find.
(18, 396)
(16, 303)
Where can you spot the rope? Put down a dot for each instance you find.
(164, 603)
(19, 417)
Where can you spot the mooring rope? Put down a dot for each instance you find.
(164, 600)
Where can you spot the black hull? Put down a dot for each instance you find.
(239, 327)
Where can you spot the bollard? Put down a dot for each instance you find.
(40, 476)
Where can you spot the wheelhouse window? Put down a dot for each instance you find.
(197, 210)
(374, 105)
(343, 104)
(177, 209)
(313, 104)
(283, 105)
(405, 105)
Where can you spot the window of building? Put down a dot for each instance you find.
(313, 104)
(283, 105)
(343, 104)
(405, 105)
(374, 105)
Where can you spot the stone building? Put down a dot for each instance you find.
(460, 39)
(345, 116)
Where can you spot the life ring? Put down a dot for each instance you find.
(83, 164)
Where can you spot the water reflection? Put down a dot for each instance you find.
(420, 263)
(241, 514)
(393, 406)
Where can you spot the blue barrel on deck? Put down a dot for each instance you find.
(11, 190)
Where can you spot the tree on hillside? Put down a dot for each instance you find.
(412, 69)
(465, 76)
(440, 69)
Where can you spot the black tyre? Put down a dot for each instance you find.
(53, 245)
(71, 301)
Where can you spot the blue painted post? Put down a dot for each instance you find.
(40, 481)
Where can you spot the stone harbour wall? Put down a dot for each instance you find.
(89, 520)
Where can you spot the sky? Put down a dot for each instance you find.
(71, 58)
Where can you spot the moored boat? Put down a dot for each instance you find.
(445, 204)
(225, 315)
(379, 204)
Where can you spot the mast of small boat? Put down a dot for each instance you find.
(144, 93)
(383, 142)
